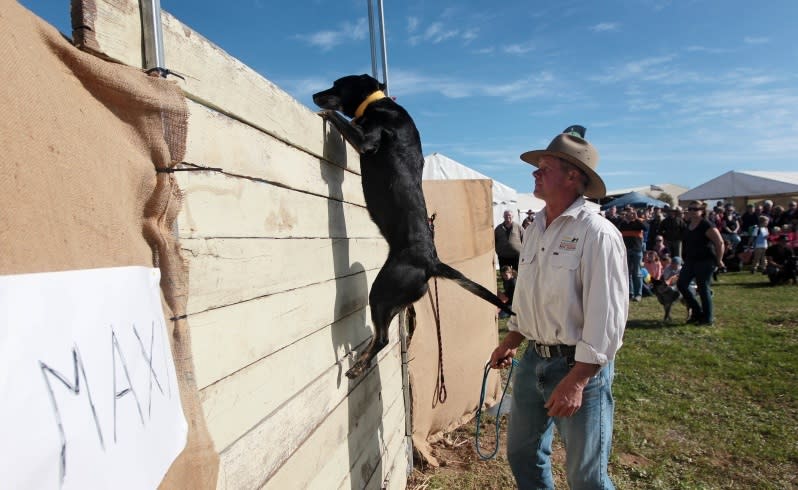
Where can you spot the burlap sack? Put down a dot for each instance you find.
(81, 141)
(464, 240)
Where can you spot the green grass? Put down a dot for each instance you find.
(697, 407)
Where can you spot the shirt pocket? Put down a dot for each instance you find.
(564, 261)
(526, 258)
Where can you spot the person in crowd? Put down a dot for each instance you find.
(653, 227)
(766, 209)
(780, 262)
(507, 236)
(703, 253)
(612, 215)
(508, 275)
(660, 247)
(730, 227)
(760, 238)
(643, 217)
(571, 303)
(776, 217)
(791, 214)
(671, 267)
(530, 218)
(651, 262)
(731, 257)
(632, 229)
(672, 228)
(748, 223)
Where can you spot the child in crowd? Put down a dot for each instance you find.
(508, 282)
(671, 269)
(653, 265)
(760, 244)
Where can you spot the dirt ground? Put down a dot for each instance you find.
(462, 468)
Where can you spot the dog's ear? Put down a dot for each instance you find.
(383, 86)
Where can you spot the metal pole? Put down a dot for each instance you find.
(372, 40)
(384, 47)
(153, 35)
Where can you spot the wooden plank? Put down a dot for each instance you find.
(218, 80)
(216, 140)
(218, 205)
(227, 339)
(345, 443)
(237, 403)
(396, 479)
(392, 469)
(256, 456)
(229, 271)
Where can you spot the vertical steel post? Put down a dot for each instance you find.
(153, 36)
(384, 47)
(372, 40)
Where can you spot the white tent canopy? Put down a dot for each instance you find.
(745, 184)
(441, 167)
(529, 201)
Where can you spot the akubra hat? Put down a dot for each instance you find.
(577, 151)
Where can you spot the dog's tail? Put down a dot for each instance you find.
(442, 270)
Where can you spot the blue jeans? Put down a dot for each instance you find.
(587, 434)
(633, 260)
(701, 271)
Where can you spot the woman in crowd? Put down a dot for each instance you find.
(702, 253)
(659, 247)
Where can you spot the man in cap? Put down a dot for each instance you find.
(672, 229)
(530, 218)
(571, 301)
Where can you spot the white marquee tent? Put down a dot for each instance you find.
(745, 184)
(441, 167)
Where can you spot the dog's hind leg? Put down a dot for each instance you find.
(395, 287)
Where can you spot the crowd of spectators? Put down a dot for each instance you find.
(763, 238)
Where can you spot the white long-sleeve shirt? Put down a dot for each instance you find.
(573, 284)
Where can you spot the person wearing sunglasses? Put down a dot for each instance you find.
(702, 254)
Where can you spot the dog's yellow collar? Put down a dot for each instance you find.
(371, 98)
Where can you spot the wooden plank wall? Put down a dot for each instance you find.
(281, 255)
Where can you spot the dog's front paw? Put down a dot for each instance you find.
(326, 113)
(358, 369)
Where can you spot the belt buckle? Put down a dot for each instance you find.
(543, 350)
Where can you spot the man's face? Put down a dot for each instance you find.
(508, 217)
(550, 178)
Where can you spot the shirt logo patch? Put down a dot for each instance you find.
(568, 243)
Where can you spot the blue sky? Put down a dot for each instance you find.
(671, 91)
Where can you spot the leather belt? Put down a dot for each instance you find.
(560, 350)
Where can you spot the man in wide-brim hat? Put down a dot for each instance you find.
(571, 302)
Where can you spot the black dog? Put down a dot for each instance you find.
(667, 296)
(391, 164)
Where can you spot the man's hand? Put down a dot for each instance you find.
(566, 398)
(502, 356)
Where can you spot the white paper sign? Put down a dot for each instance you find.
(88, 391)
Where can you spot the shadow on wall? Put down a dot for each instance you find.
(365, 406)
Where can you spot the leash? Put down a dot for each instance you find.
(498, 410)
(440, 383)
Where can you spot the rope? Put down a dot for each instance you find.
(498, 410)
(440, 383)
